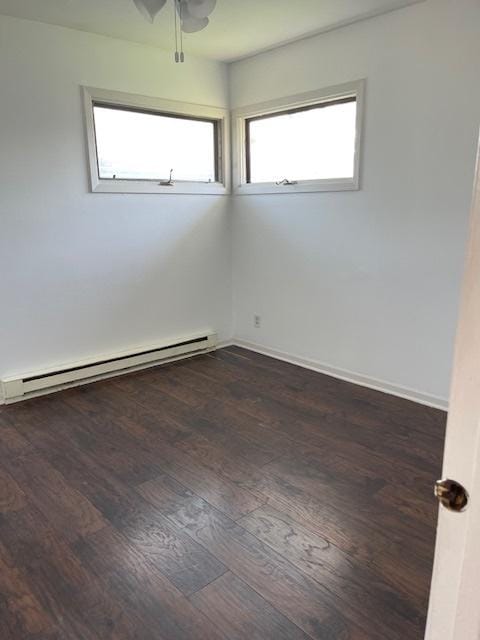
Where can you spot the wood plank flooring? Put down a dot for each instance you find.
(225, 497)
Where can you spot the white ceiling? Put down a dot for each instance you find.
(238, 28)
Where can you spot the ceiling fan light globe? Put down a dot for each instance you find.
(201, 8)
(192, 25)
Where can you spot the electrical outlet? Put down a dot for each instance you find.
(257, 321)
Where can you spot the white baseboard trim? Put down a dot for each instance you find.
(349, 376)
(342, 374)
(225, 343)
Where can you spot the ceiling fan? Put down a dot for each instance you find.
(190, 16)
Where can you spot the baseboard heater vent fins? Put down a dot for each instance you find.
(20, 387)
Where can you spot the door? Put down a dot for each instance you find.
(454, 611)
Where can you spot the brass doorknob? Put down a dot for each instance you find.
(451, 495)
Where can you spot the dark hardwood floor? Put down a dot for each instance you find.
(225, 497)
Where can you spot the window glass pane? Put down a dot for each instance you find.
(144, 146)
(315, 144)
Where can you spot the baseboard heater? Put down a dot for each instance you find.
(20, 387)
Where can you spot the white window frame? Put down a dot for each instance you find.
(354, 89)
(92, 96)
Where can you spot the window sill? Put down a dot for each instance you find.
(305, 186)
(152, 186)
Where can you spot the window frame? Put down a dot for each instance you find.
(132, 102)
(300, 102)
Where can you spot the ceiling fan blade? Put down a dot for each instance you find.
(201, 8)
(149, 8)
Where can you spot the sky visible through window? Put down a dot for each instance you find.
(318, 144)
(144, 146)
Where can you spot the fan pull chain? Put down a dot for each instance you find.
(177, 57)
(182, 55)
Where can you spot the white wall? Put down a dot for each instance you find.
(84, 274)
(368, 281)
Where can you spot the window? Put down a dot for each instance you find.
(146, 145)
(306, 143)
(135, 145)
